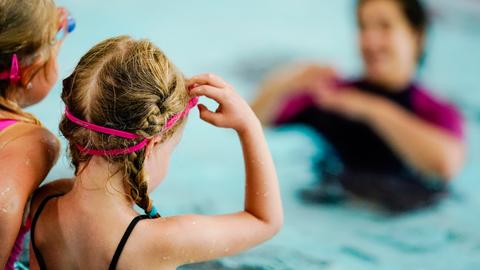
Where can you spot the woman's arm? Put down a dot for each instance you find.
(284, 82)
(427, 148)
(198, 238)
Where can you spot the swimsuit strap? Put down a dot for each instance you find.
(123, 241)
(118, 251)
(38, 255)
(4, 123)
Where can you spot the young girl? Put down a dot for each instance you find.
(28, 52)
(126, 105)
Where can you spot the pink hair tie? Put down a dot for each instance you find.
(123, 134)
(14, 74)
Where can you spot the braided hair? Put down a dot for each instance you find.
(127, 85)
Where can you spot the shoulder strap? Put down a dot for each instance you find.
(123, 241)
(38, 255)
(4, 123)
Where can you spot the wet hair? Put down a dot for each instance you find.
(27, 28)
(127, 85)
(416, 15)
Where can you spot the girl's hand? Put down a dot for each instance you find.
(233, 111)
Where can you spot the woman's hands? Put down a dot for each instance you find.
(233, 111)
(312, 76)
(348, 102)
(289, 81)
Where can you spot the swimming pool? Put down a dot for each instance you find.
(240, 40)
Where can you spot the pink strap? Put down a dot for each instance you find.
(123, 134)
(113, 152)
(4, 123)
(104, 130)
(174, 118)
(18, 246)
(14, 74)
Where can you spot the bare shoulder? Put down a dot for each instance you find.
(27, 153)
(34, 140)
(166, 234)
(58, 187)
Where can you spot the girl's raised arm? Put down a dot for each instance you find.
(196, 238)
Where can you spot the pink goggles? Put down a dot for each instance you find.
(66, 26)
(123, 134)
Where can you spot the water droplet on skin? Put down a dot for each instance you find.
(227, 250)
(27, 162)
(166, 258)
(210, 251)
(9, 207)
(7, 190)
(265, 194)
(257, 193)
(194, 223)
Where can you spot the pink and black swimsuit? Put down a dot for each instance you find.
(370, 166)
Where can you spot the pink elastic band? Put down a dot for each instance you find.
(104, 130)
(123, 134)
(114, 152)
(174, 118)
(14, 74)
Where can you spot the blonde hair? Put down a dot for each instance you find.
(27, 28)
(126, 85)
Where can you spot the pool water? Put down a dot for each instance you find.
(240, 40)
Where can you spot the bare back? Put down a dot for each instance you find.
(68, 237)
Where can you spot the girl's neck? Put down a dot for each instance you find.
(99, 186)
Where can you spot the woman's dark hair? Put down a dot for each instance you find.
(417, 17)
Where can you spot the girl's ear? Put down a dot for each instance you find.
(28, 72)
(150, 146)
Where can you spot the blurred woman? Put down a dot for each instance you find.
(397, 144)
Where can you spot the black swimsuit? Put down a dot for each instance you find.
(371, 168)
(118, 251)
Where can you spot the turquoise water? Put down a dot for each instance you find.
(239, 41)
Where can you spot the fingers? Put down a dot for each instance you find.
(208, 91)
(325, 97)
(208, 116)
(209, 79)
